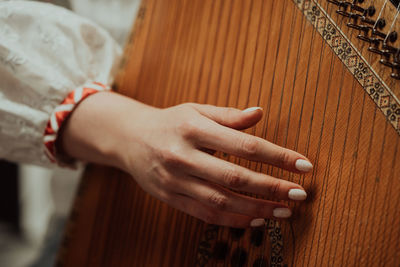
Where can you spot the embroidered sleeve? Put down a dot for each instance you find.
(45, 53)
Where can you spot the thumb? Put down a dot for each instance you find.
(231, 117)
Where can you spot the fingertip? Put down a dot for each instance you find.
(282, 213)
(297, 194)
(257, 222)
(247, 118)
(303, 165)
(253, 114)
(251, 109)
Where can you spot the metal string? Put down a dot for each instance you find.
(394, 20)
(380, 14)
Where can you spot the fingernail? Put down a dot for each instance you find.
(257, 222)
(251, 109)
(282, 213)
(303, 165)
(297, 194)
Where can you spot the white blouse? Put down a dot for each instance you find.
(45, 52)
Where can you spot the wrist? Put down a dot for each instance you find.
(98, 128)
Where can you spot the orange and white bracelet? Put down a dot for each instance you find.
(62, 112)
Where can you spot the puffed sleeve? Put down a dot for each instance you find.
(45, 53)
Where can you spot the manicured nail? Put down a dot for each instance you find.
(251, 109)
(282, 213)
(303, 165)
(257, 222)
(297, 194)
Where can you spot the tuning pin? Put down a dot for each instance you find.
(343, 13)
(371, 11)
(353, 24)
(395, 75)
(392, 37)
(364, 37)
(386, 62)
(358, 8)
(334, 2)
(343, 8)
(396, 66)
(381, 23)
(367, 20)
(378, 33)
(387, 51)
(375, 48)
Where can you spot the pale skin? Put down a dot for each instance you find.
(169, 154)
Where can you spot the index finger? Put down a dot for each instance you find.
(230, 141)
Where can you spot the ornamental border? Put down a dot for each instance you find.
(374, 86)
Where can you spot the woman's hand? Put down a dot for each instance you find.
(168, 152)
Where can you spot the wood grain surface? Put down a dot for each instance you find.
(272, 54)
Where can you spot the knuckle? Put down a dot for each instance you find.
(188, 128)
(249, 146)
(165, 196)
(166, 180)
(232, 178)
(283, 158)
(218, 200)
(159, 176)
(188, 105)
(275, 188)
(172, 156)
